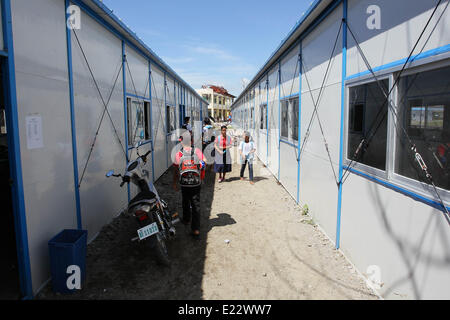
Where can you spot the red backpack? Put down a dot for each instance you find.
(190, 172)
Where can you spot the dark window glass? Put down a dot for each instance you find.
(285, 119)
(424, 110)
(263, 115)
(294, 119)
(368, 120)
(171, 119)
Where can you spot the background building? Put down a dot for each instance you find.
(219, 100)
(372, 80)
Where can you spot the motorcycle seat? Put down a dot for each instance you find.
(143, 196)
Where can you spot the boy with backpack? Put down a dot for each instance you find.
(189, 172)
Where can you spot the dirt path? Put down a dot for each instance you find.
(273, 251)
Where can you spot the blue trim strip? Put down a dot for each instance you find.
(3, 53)
(288, 143)
(73, 121)
(151, 116)
(341, 139)
(300, 75)
(294, 95)
(165, 118)
(142, 143)
(12, 122)
(137, 97)
(279, 118)
(267, 120)
(125, 108)
(423, 55)
(401, 190)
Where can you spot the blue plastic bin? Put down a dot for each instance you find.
(66, 249)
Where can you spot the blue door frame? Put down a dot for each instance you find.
(12, 124)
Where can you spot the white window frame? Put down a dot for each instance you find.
(290, 114)
(145, 103)
(383, 174)
(421, 188)
(389, 176)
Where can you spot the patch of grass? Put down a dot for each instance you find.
(305, 210)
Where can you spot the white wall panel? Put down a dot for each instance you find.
(402, 22)
(159, 122)
(170, 91)
(316, 52)
(101, 198)
(290, 69)
(329, 113)
(273, 119)
(261, 136)
(42, 89)
(319, 191)
(407, 240)
(289, 168)
(137, 72)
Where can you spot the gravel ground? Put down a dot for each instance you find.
(255, 244)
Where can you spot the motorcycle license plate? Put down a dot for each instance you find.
(148, 231)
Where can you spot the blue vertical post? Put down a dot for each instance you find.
(300, 74)
(201, 110)
(341, 152)
(12, 123)
(151, 118)
(279, 118)
(165, 122)
(125, 109)
(267, 121)
(72, 118)
(254, 111)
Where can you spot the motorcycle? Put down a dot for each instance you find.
(155, 224)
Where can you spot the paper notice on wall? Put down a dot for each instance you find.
(34, 132)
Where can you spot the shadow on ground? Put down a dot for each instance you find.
(120, 269)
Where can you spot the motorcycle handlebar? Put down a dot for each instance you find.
(125, 179)
(144, 157)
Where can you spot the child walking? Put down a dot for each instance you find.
(247, 150)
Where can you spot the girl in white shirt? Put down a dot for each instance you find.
(247, 150)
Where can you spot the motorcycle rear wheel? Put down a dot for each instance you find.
(158, 245)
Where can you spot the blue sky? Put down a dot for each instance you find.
(212, 42)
